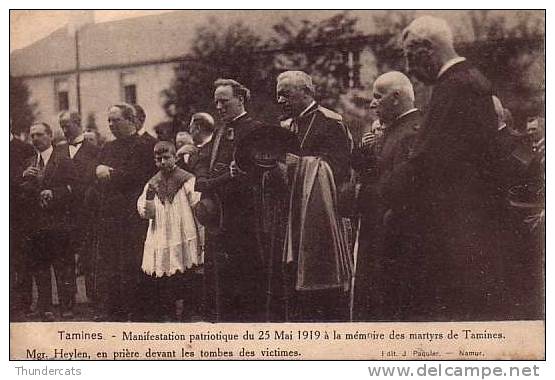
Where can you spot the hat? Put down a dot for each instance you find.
(261, 148)
(208, 211)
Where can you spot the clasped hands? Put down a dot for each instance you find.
(103, 172)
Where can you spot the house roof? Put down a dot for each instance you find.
(149, 39)
(168, 36)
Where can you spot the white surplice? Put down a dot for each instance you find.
(172, 243)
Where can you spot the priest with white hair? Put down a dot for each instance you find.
(457, 273)
(317, 257)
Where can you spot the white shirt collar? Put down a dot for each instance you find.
(76, 145)
(307, 108)
(11, 137)
(407, 112)
(46, 154)
(450, 63)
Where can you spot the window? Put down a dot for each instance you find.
(128, 87)
(130, 94)
(61, 88)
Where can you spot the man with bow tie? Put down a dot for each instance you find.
(48, 187)
(84, 156)
(238, 266)
(316, 253)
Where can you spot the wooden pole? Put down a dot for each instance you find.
(77, 72)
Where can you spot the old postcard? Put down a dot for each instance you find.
(277, 185)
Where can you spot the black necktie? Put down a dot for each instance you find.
(40, 163)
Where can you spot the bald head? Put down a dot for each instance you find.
(201, 126)
(428, 45)
(396, 81)
(393, 95)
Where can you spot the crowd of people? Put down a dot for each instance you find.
(434, 216)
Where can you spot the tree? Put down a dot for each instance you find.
(231, 52)
(22, 112)
(509, 49)
(321, 49)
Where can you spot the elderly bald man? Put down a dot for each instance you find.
(201, 130)
(385, 226)
(456, 274)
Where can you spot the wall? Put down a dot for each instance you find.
(99, 90)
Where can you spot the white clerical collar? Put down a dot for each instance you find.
(450, 63)
(143, 131)
(46, 154)
(407, 112)
(307, 108)
(241, 115)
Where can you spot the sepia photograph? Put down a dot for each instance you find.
(334, 176)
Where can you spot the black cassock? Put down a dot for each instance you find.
(121, 232)
(457, 273)
(233, 266)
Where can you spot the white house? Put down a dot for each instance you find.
(133, 60)
(130, 60)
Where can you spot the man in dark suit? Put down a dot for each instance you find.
(323, 136)
(140, 118)
(385, 227)
(48, 186)
(19, 297)
(124, 166)
(201, 129)
(456, 274)
(84, 155)
(232, 247)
